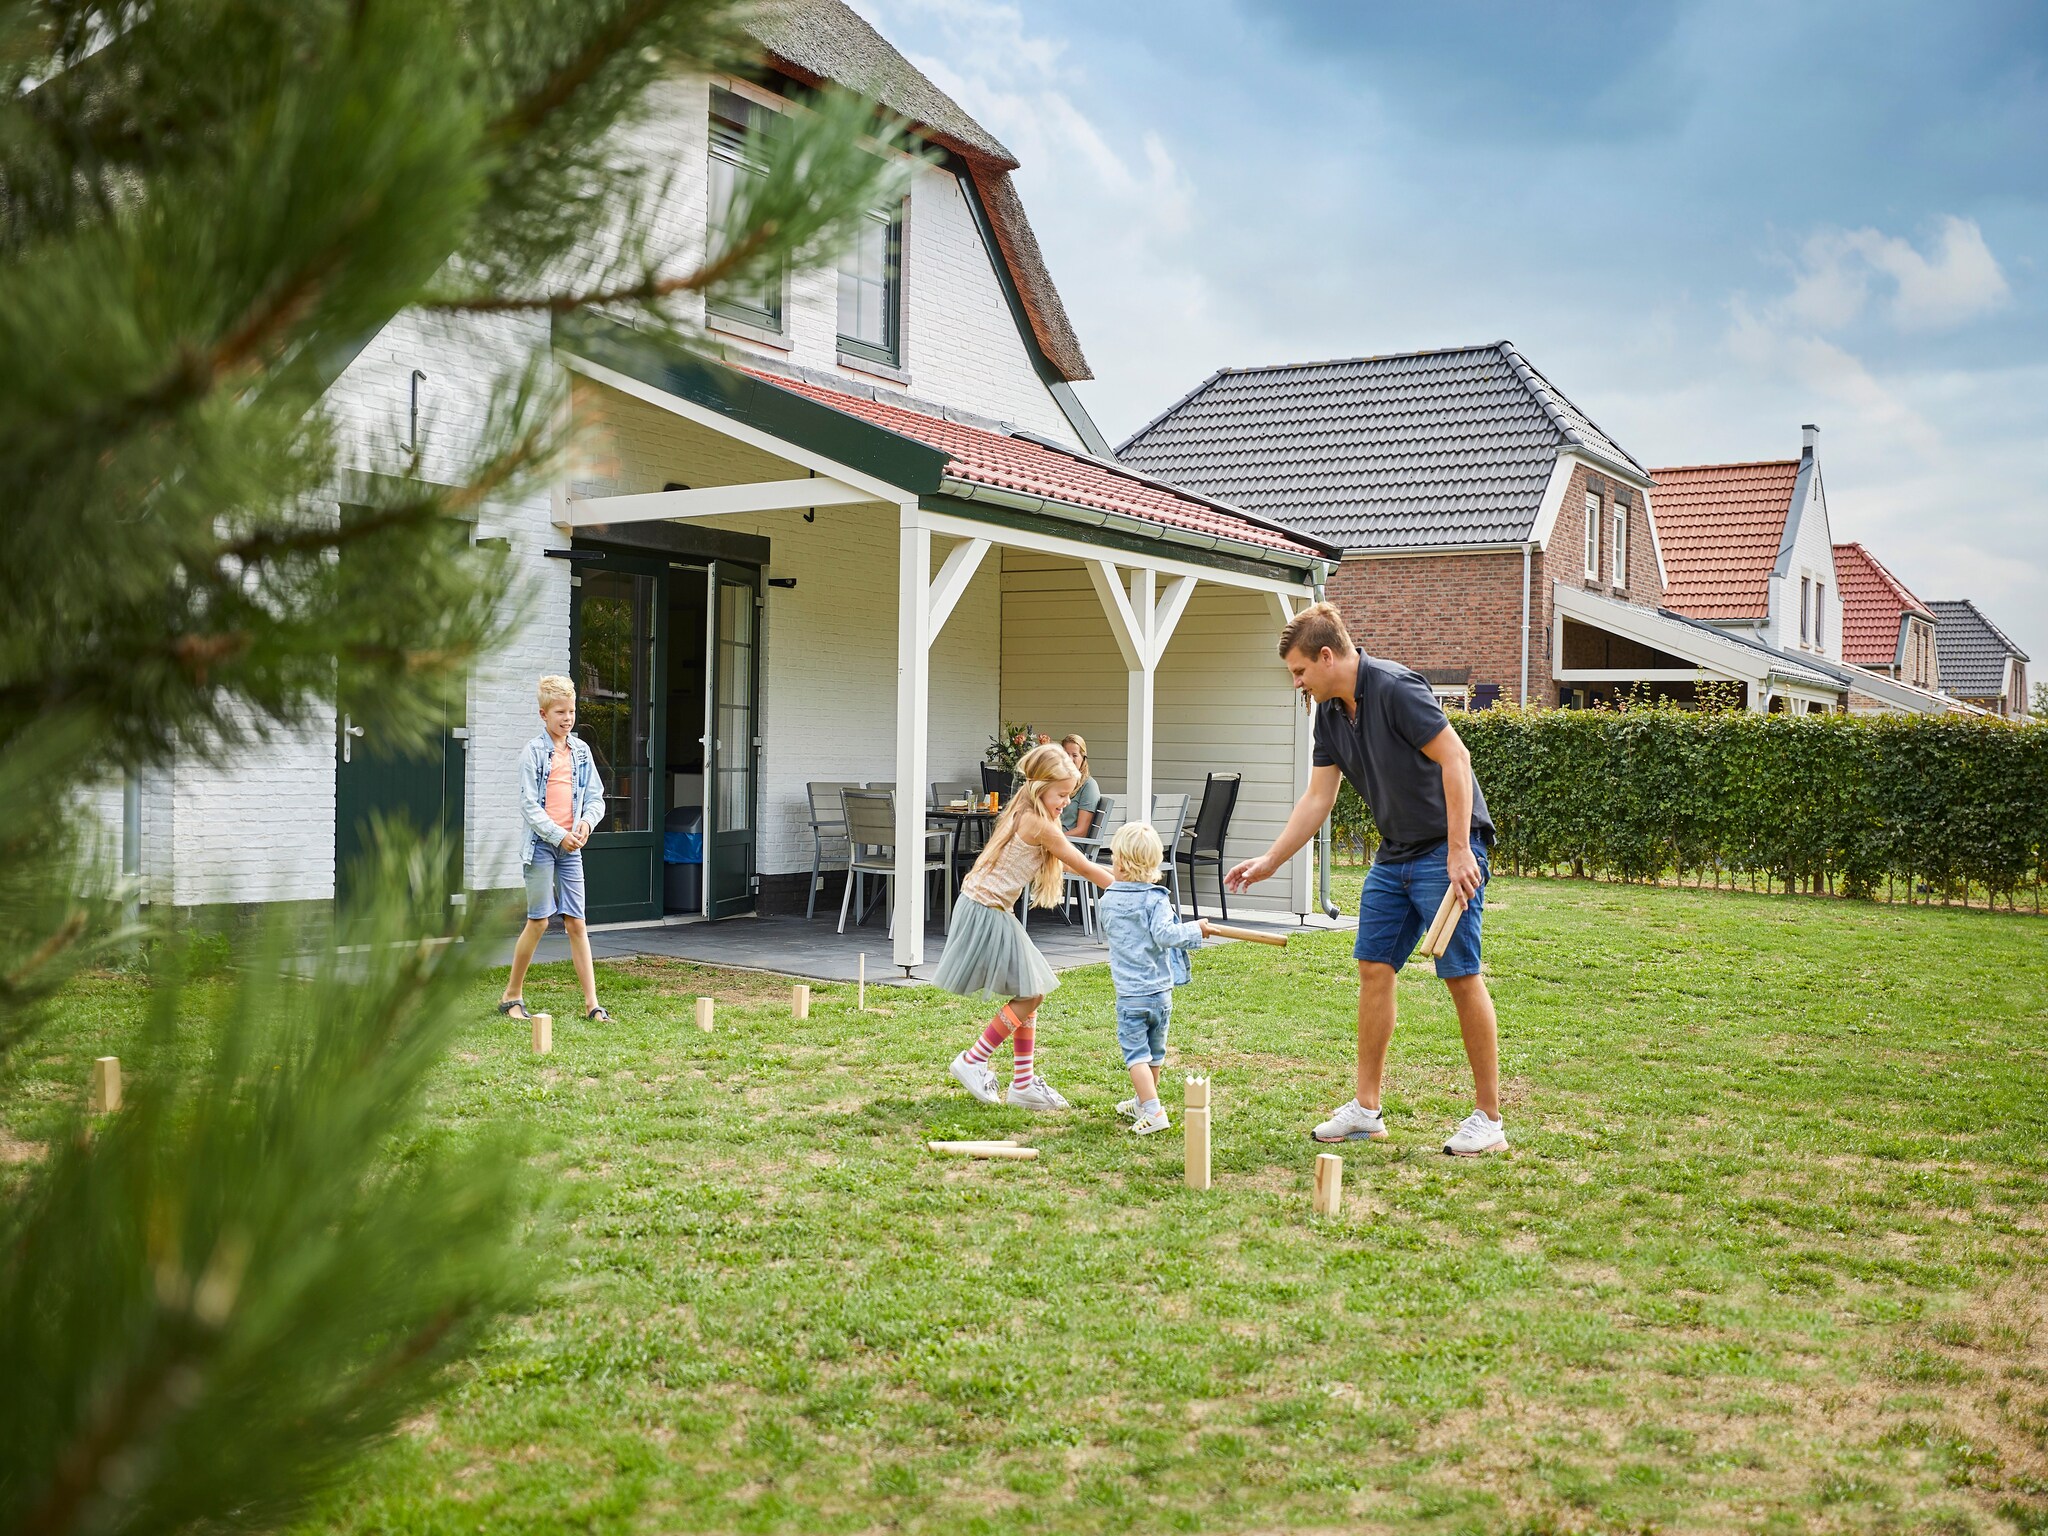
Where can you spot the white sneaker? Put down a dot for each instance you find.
(1127, 1108)
(976, 1078)
(1145, 1125)
(1039, 1096)
(1352, 1122)
(1477, 1135)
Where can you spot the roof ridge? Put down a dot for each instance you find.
(1547, 394)
(1675, 469)
(1982, 618)
(1369, 357)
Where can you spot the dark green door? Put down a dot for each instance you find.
(372, 781)
(617, 666)
(732, 747)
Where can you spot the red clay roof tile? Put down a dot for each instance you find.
(1719, 526)
(1873, 601)
(1016, 464)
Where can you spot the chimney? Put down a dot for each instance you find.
(1808, 436)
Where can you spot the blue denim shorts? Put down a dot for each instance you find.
(1141, 1025)
(1400, 903)
(554, 882)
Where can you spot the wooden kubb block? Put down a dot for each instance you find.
(1329, 1193)
(1194, 1126)
(800, 1001)
(543, 1033)
(705, 1006)
(106, 1084)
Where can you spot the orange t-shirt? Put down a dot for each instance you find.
(561, 800)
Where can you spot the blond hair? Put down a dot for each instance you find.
(554, 688)
(1038, 770)
(1081, 745)
(1316, 627)
(1136, 853)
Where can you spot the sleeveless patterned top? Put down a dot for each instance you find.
(1001, 881)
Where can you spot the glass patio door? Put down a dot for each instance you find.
(617, 669)
(732, 744)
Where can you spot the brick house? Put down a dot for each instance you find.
(1979, 663)
(848, 548)
(1493, 536)
(1885, 628)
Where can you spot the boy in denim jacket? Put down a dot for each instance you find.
(1147, 960)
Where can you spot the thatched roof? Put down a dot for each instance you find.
(823, 40)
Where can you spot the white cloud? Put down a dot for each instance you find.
(1957, 280)
(1782, 351)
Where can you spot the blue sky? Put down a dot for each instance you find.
(1707, 220)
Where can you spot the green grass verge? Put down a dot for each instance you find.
(1767, 1254)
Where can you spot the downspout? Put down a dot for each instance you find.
(1526, 548)
(131, 842)
(1323, 898)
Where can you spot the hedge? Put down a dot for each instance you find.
(1942, 804)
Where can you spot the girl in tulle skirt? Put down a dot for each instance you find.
(988, 953)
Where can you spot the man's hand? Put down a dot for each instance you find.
(1464, 872)
(1243, 877)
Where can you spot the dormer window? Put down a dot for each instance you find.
(871, 291)
(739, 128)
(1592, 534)
(1621, 512)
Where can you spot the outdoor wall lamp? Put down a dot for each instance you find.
(788, 583)
(574, 556)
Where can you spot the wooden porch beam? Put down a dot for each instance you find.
(950, 585)
(711, 501)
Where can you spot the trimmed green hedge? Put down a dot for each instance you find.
(1834, 802)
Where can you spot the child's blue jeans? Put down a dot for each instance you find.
(1141, 1025)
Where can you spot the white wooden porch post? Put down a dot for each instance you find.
(1300, 875)
(1142, 621)
(913, 711)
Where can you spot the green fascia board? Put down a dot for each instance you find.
(1118, 539)
(917, 468)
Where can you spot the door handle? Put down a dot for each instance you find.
(347, 730)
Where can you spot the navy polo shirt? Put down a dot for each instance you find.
(1380, 752)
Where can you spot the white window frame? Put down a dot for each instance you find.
(1820, 615)
(1805, 607)
(1450, 696)
(1592, 534)
(1621, 515)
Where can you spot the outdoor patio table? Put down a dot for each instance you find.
(957, 824)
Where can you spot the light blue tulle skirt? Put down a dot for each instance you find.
(987, 951)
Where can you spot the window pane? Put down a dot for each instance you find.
(615, 691)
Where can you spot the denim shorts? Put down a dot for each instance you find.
(554, 882)
(1141, 1025)
(1400, 903)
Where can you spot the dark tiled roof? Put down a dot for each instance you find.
(1971, 650)
(821, 40)
(1873, 602)
(1012, 463)
(1720, 526)
(1412, 449)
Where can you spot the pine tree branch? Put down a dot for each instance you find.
(19, 980)
(646, 291)
(561, 86)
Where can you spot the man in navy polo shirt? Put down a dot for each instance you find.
(1378, 725)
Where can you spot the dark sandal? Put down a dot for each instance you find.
(597, 1015)
(517, 1002)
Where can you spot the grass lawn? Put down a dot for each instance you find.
(1767, 1253)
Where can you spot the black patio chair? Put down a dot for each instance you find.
(995, 781)
(1203, 842)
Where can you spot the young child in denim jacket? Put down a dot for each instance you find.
(1147, 960)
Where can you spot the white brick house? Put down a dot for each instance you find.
(886, 504)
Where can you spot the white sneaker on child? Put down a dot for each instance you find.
(1352, 1122)
(1038, 1096)
(1476, 1135)
(1127, 1108)
(976, 1078)
(1154, 1120)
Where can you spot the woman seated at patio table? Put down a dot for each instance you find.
(1078, 819)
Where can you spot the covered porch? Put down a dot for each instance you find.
(924, 579)
(1606, 650)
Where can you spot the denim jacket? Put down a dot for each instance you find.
(586, 790)
(1147, 948)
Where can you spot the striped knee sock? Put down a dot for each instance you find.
(998, 1031)
(1021, 1044)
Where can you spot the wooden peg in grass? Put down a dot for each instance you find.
(1438, 939)
(990, 1151)
(106, 1085)
(1194, 1130)
(543, 1033)
(1329, 1196)
(800, 1001)
(704, 1009)
(860, 1004)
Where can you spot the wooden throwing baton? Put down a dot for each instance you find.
(1249, 935)
(1438, 939)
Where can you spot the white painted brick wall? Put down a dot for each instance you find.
(259, 826)
(1813, 556)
